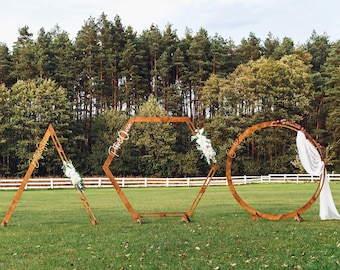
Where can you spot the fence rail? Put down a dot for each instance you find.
(103, 182)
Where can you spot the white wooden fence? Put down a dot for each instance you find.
(104, 182)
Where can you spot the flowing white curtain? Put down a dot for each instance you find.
(313, 164)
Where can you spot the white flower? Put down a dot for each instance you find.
(204, 145)
(71, 173)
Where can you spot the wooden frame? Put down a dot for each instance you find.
(123, 135)
(50, 132)
(232, 153)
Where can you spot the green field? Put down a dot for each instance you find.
(49, 229)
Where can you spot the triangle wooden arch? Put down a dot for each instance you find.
(50, 132)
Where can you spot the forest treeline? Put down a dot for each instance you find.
(87, 88)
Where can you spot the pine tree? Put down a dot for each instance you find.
(332, 102)
(65, 67)
(24, 56)
(200, 68)
(249, 49)
(319, 47)
(5, 65)
(88, 90)
(44, 55)
(129, 70)
(153, 38)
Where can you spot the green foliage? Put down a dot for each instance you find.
(106, 127)
(270, 89)
(332, 92)
(151, 149)
(110, 67)
(211, 94)
(24, 56)
(5, 131)
(31, 106)
(155, 144)
(5, 65)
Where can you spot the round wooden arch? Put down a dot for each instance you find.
(232, 153)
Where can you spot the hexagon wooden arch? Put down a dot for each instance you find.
(232, 153)
(122, 135)
(50, 132)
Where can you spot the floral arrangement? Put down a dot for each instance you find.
(204, 145)
(71, 173)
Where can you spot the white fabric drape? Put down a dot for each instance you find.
(313, 164)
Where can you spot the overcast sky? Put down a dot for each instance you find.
(233, 19)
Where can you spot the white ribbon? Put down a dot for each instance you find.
(313, 164)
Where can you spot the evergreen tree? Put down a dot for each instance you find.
(106, 59)
(319, 48)
(200, 68)
(44, 55)
(271, 46)
(6, 65)
(176, 101)
(65, 67)
(249, 49)
(153, 38)
(332, 93)
(232, 60)
(24, 56)
(119, 42)
(285, 48)
(164, 67)
(129, 70)
(142, 78)
(87, 95)
(167, 70)
(218, 56)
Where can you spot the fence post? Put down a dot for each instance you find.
(167, 182)
(245, 179)
(145, 182)
(51, 183)
(188, 181)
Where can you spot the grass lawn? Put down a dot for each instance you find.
(49, 229)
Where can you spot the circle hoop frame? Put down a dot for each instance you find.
(232, 153)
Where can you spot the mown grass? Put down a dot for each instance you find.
(49, 229)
